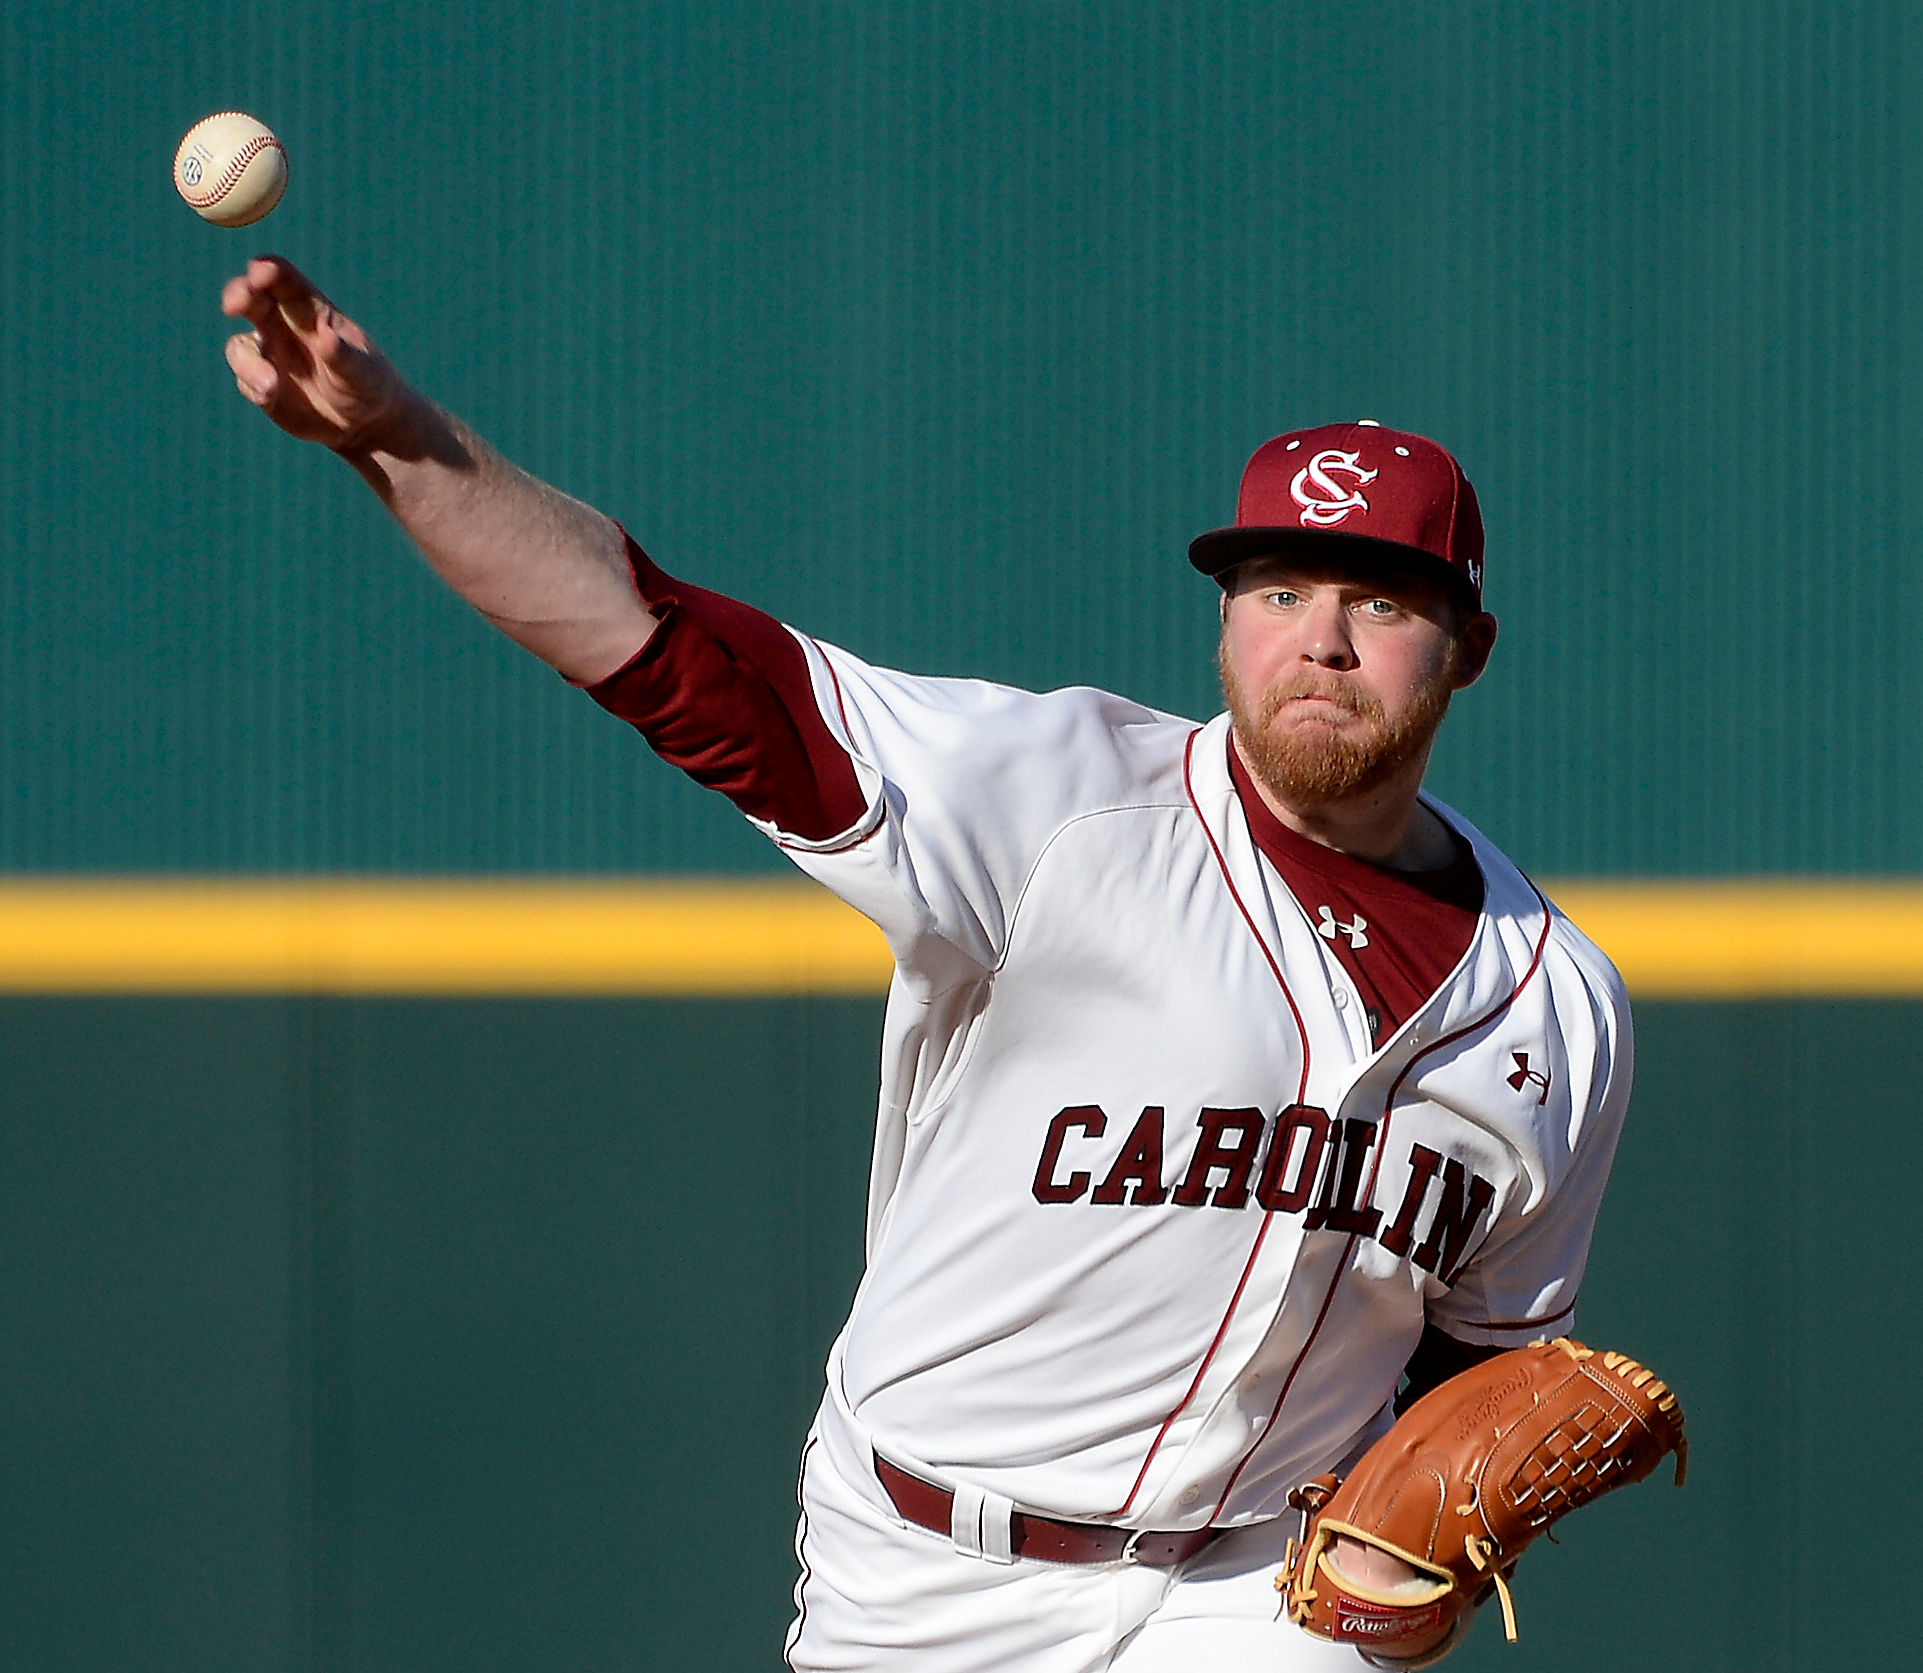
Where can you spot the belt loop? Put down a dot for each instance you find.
(980, 1524)
(965, 1519)
(998, 1530)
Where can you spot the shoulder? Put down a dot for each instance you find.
(1526, 917)
(1089, 746)
(1588, 961)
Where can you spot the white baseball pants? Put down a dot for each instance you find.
(879, 1593)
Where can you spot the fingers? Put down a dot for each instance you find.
(268, 281)
(324, 342)
(292, 318)
(254, 375)
(278, 300)
(251, 294)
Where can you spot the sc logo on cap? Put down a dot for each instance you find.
(1331, 502)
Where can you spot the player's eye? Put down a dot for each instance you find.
(1380, 607)
(1282, 598)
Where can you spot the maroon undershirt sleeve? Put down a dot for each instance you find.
(722, 691)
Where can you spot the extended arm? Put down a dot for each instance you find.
(717, 688)
(548, 571)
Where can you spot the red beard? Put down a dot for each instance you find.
(1310, 765)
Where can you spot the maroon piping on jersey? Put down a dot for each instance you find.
(1527, 1324)
(841, 698)
(1395, 1086)
(1388, 1114)
(1302, 1087)
(807, 1568)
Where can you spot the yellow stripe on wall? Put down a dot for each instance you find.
(484, 936)
(1716, 938)
(1685, 939)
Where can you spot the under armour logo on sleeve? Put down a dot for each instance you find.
(1526, 1076)
(1331, 927)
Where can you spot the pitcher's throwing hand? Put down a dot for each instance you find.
(305, 364)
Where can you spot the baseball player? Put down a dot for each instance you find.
(1229, 1082)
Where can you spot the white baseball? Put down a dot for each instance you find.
(230, 169)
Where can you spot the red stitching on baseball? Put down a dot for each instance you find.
(231, 177)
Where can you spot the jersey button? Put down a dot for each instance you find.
(1190, 1495)
(1341, 999)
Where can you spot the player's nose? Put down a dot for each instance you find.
(1326, 641)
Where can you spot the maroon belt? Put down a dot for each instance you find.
(1041, 1539)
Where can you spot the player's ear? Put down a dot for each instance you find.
(1474, 640)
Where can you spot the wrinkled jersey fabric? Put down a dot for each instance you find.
(1156, 1216)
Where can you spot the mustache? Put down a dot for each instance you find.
(1308, 683)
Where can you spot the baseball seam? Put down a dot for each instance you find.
(230, 176)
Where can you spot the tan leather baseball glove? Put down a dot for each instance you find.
(1468, 1476)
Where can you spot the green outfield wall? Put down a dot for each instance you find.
(939, 330)
(350, 1326)
(482, 1337)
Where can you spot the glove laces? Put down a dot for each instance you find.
(1482, 1552)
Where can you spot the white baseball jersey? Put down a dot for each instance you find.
(1153, 1227)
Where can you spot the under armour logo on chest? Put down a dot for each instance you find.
(1331, 927)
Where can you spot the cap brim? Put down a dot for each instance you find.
(1220, 550)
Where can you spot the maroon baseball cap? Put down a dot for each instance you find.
(1354, 489)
